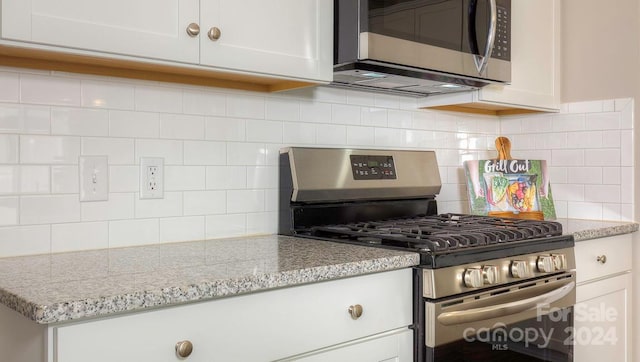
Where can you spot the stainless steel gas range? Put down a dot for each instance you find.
(486, 289)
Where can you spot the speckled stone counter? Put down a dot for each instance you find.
(592, 229)
(69, 286)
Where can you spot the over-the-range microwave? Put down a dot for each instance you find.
(422, 46)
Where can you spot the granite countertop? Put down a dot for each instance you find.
(69, 286)
(592, 229)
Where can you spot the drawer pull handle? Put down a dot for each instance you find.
(355, 311)
(602, 259)
(184, 349)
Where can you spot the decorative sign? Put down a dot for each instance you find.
(509, 185)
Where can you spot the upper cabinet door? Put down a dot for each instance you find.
(147, 28)
(292, 38)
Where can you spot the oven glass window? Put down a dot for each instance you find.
(544, 338)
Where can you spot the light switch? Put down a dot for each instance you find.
(94, 178)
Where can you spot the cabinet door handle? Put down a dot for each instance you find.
(355, 311)
(214, 33)
(184, 349)
(601, 259)
(193, 30)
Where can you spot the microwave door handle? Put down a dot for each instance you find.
(482, 60)
(506, 309)
(473, 37)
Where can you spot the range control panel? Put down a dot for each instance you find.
(373, 167)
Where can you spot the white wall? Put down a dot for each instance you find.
(220, 150)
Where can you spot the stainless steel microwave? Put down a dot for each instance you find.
(422, 46)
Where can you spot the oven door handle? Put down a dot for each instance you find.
(506, 309)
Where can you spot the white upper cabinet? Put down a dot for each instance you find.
(289, 37)
(281, 38)
(145, 28)
(535, 66)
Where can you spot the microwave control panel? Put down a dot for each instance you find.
(373, 167)
(502, 44)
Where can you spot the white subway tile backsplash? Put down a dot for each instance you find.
(205, 153)
(9, 211)
(221, 226)
(182, 126)
(47, 149)
(183, 178)
(39, 89)
(120, 151)
(134, 124)
(9, 180)
(79, 122)
(361, 136)
(283, 109)
(9, 149)
(170, 150)
(25, 119)
(375, 117)
(226, 177)
(123, 179)
(49, 209)
(602, 157)
(35, 180)
(182, 229)
(249, 154)
(110, 95)
(64, 179)
(204, 103)
(264, 131)
(25, 240)
(205, 202)
(298, 133)
(602, 121)
(9, 87)
(170, 205)
(79, 236)
(602, 193)
(158, 99)
(345, 114)
(315, 112)
(585, 175)
(133, 232)
(221, 151)
(245, 201)
(225, 129)
(119, 206)
(244, 106)
(262, 177)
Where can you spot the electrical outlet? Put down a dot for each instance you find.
(94, 178)
(151, 178)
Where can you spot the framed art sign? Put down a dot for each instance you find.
(509, 186)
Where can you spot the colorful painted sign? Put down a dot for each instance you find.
(509, 185)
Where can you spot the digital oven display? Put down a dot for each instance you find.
(373, 167)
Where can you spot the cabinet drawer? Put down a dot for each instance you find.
(254, 327)
(616, 250)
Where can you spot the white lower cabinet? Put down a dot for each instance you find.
(311, 321)
(602, 329)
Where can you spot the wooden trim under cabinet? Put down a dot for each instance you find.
(49, 60)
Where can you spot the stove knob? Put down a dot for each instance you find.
(490, 274)
(473, 278)
(520, 269)
(546, 264)
(560, 261)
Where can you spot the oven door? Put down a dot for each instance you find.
(529, 321)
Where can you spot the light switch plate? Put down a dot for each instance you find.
(94, 178)
(151, 178)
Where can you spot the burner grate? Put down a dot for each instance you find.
(446, 232)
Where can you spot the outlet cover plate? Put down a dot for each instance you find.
(151, 178)
(94, 178)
